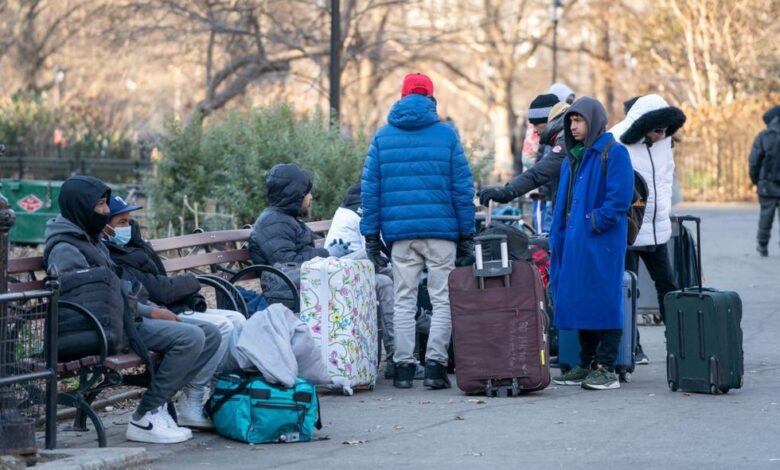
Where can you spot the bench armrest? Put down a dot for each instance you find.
(290, 297)
(228, 297)
(92, 319)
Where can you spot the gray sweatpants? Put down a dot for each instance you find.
(410, 257)
(186, 348)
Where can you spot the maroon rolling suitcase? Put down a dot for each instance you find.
(499, 325)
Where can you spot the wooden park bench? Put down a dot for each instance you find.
(220, 259)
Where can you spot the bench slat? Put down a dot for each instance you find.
(320, 227)
(205, 259)
(26, 286)
(25, 265)
(200, 239)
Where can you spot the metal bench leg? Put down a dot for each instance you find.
(96, 422)
(80, 420)
(84, 410)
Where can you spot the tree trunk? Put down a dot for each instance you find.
(502, 118)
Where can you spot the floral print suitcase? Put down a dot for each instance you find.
(338, 303)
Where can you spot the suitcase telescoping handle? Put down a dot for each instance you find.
(491, 268)
(697, 220)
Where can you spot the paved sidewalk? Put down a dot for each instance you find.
(642, 425)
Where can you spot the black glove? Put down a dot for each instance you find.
(464, 256)
(374, 248)
(502, 194)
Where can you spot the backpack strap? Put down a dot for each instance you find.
(605, 155)
(211, 410)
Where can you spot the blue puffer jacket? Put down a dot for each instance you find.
(416, 180)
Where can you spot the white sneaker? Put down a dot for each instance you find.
(172, 422)
(189, 410)
(153, 428)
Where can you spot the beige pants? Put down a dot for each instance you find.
(409, 258)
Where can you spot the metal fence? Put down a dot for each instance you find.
(108, 169)
(28, 360)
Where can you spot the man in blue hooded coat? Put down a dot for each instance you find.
(588, 240)
(417, 192)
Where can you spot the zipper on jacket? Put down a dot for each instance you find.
(655, 192)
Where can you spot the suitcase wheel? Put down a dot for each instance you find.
(672, 386)
(625, 377)
(714, 390)
(724, 390)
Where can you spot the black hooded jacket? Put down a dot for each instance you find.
(139, 261)
(765, 156)
(279, 236)
(88, 276)
(545, 172)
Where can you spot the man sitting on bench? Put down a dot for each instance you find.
(279, 235)
(178, 293)
(88, 277)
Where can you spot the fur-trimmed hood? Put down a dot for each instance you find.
(647, 113)
(653, 161)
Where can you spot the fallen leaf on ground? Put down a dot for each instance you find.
(355, 442)
(459, 418)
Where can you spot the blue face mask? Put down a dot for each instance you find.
(121, 235)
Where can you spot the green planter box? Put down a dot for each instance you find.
(34, 202)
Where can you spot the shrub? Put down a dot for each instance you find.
(221, 166)
(28, 122)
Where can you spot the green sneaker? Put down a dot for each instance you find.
(572, 377)
(601, 379)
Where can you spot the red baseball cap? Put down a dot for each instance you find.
(417, 83)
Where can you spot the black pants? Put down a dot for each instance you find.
(659, 268)
(769, 205)
(599, 346)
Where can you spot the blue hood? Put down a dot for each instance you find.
(413, 112)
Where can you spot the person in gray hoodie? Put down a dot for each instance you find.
(88, 277)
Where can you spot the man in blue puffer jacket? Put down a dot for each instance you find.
(417, 193)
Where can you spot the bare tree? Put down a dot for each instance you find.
(240, 41)
(36, 31)
(479, 51)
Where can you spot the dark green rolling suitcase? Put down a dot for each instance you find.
(703, 335)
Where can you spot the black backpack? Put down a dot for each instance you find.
(517, 242)
(636, 213)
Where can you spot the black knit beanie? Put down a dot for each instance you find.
(540, 108)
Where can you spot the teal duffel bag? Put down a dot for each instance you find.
(249, 409)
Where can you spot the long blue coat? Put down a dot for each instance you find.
(416, 180)
(588, 248)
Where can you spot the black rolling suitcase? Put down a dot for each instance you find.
(703, 335)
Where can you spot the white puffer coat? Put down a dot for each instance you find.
(655, 162)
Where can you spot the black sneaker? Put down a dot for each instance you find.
(390, 369)
(762, 250)
(436, 376)
(404, 375)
